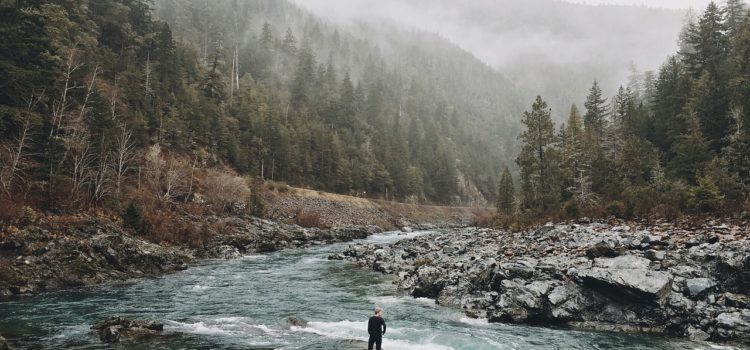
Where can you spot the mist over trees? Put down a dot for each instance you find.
(548, 47)
(672, 143)
(101, 99)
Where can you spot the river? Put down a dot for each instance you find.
(240, 304)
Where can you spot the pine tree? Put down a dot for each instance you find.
(574, 154)
(267, 36)
(672, 94)
(691, 153)
(711, 105)
(289, 45)
(304, 79)
(707, 42)
(539, 159)
(505, 193)
(735, 12)
(596, 111)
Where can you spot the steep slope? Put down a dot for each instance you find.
(418, 111)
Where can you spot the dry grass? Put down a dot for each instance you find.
(310, 219)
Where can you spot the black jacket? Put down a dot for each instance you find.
(376, 326)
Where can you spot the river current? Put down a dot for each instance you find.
(241, 304)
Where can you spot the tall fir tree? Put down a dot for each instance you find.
(596, 112)
(539, 159)
(506, 193)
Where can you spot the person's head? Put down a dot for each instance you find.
(378, 311)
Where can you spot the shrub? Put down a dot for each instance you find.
(616, 209)
(10, 211)
(257, 202)
(706, 196)
(310, 218)
(223, 189)
(133, 217)
(571, 209)
(482, 217)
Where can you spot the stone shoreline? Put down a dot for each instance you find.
(92, 251)
(661, 279)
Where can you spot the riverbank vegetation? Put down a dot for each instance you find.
(106, 108)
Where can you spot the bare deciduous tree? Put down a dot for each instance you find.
(122, 157)
(224, 189)
(165, 175)
(100, 178)
(15, 150)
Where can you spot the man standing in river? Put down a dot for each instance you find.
(376, 328)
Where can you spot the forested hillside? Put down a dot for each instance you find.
(389, 112)
(103, 104)
(548, 47)
(675, 143)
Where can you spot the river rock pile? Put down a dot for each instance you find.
(253, 235)
(113, 329)
(92, 251)
(35, 260)
(690, 281)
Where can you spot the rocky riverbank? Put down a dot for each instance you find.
(89, 250)
(676, 280)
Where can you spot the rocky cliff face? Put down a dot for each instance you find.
(652, 278)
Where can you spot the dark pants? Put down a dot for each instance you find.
(374, 339)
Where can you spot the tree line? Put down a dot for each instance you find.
(104, 104)
(670, 142)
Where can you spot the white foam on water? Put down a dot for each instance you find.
(255, 257)
(221, 326)
(312, 260)
(198, 288)
(195, 328)
(72, 331)
(720, 347)
(398, 344)
(474, 321)
(392, 300)
(427, 301)
(387, 300)
(354, 330)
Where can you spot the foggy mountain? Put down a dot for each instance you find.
(546, 47)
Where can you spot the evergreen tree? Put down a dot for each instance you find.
(505, 193)
(672, 94)
(596, 112)
(574, 155)
(691, 153)
(257, 202)
(539, 159)
(708, 45)
(735, 12)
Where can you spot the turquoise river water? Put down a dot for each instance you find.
(240, 304)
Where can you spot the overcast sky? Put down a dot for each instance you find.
(696, 4)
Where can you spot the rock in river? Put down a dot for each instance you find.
(112, 329)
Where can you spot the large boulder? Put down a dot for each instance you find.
(604, 248)
(734, 326)
(429, 282)
(697, 287)
(627, 279)
(113, 329)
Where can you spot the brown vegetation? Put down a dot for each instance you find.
(310, 218)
